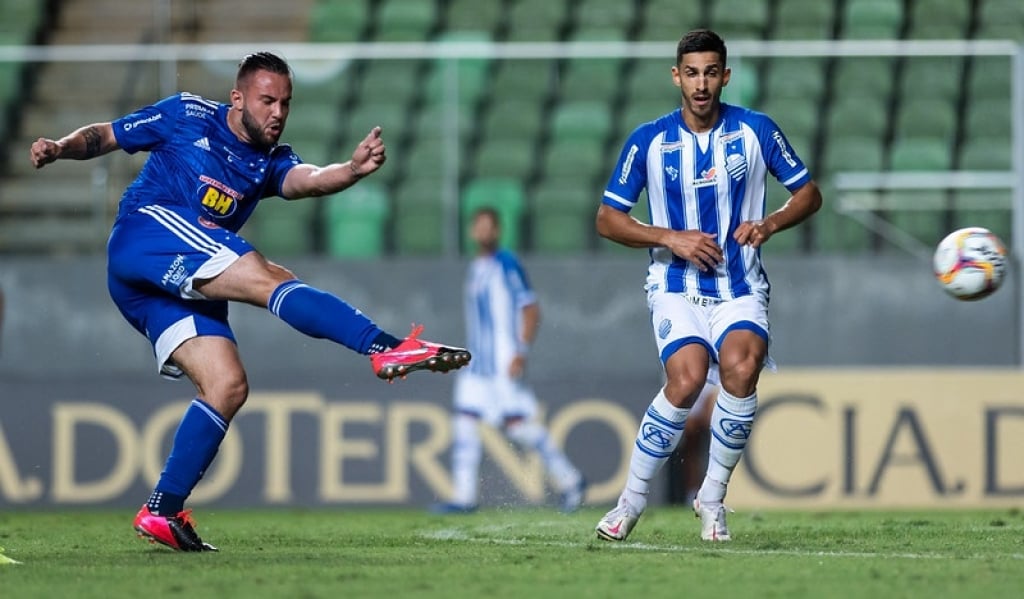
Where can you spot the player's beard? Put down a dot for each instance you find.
(256, 134)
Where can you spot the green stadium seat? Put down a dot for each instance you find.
(355, 221)
(872, 19)
(863, 76)
(472, 15)
(794, 78)
(526, 79)
(924, 116)
(404, 20)
(470, 74)
(930, 77)
(851, 115)
(338, 20)
(989, 78)
(536, 20)
(1001, 19)
(570, 157)
(504, 195)
(583, 120)
(853, 154)
(638, 112)
(920, 154)
(389, 81)
(432, 122)
(798, 121)
(19, 20)
(419, 217)
(988, 117)
(939, 19)
(802, 20)
(668, 20)
(986, 153)
(563, 216)
(511, 158)
(590, 78)
(744, 83)
(651, 79)
(740, 19)
(603, 15)
(512, 118)
(280, 228)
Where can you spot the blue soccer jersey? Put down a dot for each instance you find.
(197, 162)
(496, 292)
(710, 182)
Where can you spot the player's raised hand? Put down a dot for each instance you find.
(43, 152)
(370, 154)
(753, 233)
(695, 246)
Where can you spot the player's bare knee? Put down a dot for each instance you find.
(739, 376)
(227, 394)
(682, 391)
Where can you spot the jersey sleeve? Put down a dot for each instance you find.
(148, 127)
(515, 277)
(782, 160)
(630, 175)
(283, 160)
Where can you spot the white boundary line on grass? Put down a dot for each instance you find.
(453, 534)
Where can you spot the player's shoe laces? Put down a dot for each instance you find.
(618, 523)
(177, 532)
(712, 521)
(572, 499)
(414, 354)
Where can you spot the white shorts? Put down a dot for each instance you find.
(681, 319)
(494, 400)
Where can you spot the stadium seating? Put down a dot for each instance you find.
(355, 221)
(504, 195)
(338, 21)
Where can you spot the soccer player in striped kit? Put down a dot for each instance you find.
(175, 259)
(502, 318)
(704, 167)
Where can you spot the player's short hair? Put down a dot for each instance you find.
(490, 212)
(261, 61)
(700, 40)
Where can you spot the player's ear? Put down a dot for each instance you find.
(726, 74)
(236, 99)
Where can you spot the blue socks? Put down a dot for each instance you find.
(195, 445)
(324, 316)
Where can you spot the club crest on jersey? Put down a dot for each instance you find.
(736, 165)
(218, 199)
(707, 178)
(672, 172)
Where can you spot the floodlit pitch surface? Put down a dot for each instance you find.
(518, 553)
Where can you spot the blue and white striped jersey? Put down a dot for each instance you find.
(710, 182)
(496, 292)
(196, 161)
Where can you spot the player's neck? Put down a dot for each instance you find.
(698, 124)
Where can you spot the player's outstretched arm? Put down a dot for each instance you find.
(87, 142)
(801, 205)
(307, 180)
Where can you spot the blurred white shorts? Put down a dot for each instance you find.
(494, 400)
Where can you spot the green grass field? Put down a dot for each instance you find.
(518, 553)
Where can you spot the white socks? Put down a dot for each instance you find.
(731, 423)
(659, 434)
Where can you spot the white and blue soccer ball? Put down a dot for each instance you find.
(970, 263)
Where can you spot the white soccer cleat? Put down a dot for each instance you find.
(712, 521)
(617, 524)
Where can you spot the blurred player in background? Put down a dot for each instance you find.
(175, 259)
(502, 318)
(704, 168)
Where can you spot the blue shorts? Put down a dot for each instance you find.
(154, 256)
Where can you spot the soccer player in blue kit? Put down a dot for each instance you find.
(175, 259)
(704, 167)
